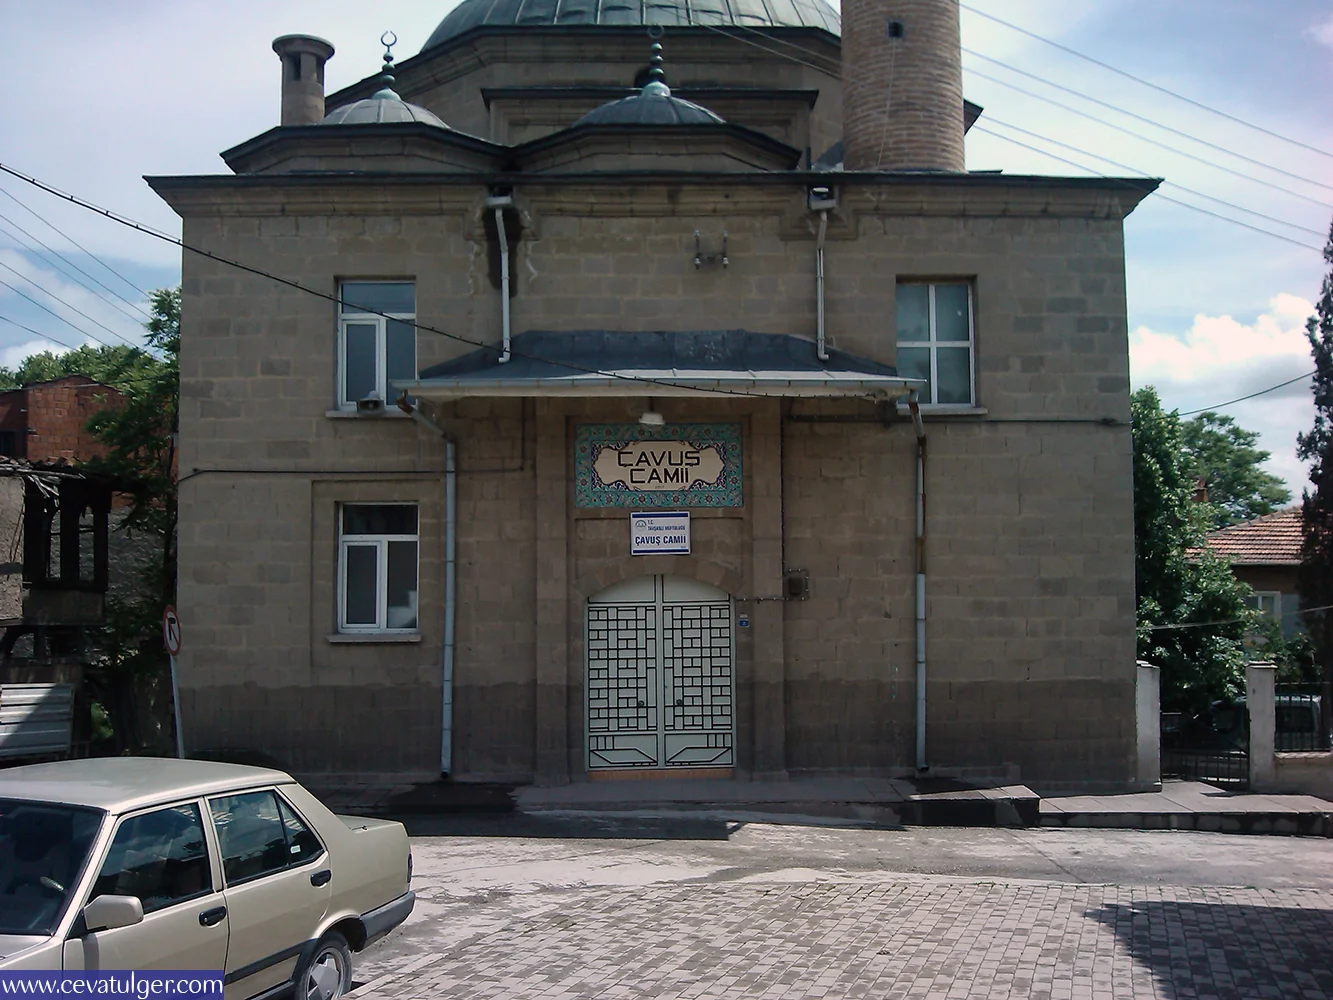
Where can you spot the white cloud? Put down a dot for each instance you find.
(1220, 358)
(1323, 33)
(12, 357)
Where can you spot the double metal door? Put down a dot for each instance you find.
(661, 679)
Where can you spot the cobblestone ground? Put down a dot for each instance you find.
(891, 936)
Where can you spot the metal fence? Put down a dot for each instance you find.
(1213, 747)
(1299, 718)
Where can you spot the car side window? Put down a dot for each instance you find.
(158, 856)
(302, 844)
(250, 834)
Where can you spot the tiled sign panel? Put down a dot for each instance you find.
(678, 465)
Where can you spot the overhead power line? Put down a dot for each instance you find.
(1143, 138)
(1180, 187)
(1241, 399)
(37, 333)
(72, 326)
(175, 241)
(52, 226)
(1130, 114)
(1174, 201)
(8, 222)
(72, 308)
(1147, 83)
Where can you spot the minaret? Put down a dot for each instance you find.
(902, 85)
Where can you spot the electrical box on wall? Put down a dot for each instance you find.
(797, 585)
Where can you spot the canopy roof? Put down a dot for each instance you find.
(660, 363)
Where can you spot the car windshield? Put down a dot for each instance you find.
(43, 848)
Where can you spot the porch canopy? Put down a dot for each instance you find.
(692, 363)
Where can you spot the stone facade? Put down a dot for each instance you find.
(1029, 548)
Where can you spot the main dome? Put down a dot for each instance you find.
(720, 13)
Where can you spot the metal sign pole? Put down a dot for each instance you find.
(176, 709)
(171, 635)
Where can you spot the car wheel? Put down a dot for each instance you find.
(328, 973)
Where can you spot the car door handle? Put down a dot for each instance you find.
(214, 916)
(321, 877)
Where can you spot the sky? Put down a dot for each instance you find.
(99, 94)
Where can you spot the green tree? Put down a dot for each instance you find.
(121, 366)
(1226, 457)
(1315, 577)
(140, 457)
(1192, 612)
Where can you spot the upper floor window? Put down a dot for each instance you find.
(377, 568)
(377, 339)
(935, 340)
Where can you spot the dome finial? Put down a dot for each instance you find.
(656, 85)
(388, 40)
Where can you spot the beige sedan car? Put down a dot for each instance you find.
(143, 863)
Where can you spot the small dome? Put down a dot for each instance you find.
(653, 105)
(384, 106)
(618, 13)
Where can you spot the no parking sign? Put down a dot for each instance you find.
(171, 630)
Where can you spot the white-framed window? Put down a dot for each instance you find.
(375, 350)
(378, 549)
(935, 340)
(1269, 603)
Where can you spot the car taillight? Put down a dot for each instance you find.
(409, 866)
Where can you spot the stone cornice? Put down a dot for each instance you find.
(660, 193)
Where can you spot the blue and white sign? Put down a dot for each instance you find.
(660, 534)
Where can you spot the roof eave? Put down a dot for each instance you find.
(665, 383)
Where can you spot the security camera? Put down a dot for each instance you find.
(371, 404)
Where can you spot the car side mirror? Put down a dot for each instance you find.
(106, 913)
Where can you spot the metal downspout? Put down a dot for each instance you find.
(450, 584)
(820, 350)
(915, 407)
(504, 282)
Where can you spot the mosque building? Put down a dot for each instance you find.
(625, 388)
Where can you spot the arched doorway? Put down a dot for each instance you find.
(661, 675)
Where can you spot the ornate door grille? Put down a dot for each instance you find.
(660, 684)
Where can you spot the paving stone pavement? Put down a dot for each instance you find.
(903, 936)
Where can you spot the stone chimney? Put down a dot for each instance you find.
(303, 58)
(902, 85)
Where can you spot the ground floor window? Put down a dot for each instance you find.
(377, 568)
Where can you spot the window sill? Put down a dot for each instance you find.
(389, 413)
(365, 637)
(946, 410)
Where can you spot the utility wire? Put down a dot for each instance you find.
(54, 297)
(71, 239)
(1229, 621)
(1173, 201)
(37, 333)
(175, 241)
(57, 315)
(1154, 142)
(133, 305)
(1147, 83)
(1241, 399)
(1180, 187)
(1130, 114)
(724, 32)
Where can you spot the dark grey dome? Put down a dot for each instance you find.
(722, 13)
(653, 105)
(381, 107)
(650, 107)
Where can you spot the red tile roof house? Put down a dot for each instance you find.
(1265, 553)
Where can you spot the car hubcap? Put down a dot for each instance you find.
(325, 979)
